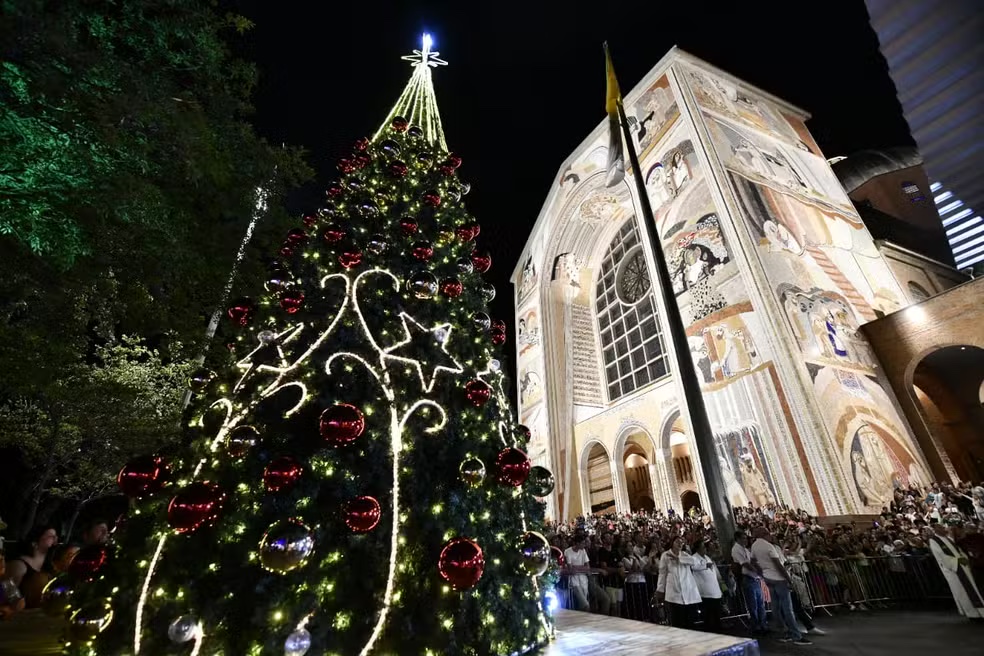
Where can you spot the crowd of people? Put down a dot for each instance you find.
(781, 555)
(24, 576)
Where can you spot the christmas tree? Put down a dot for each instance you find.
(355, 482)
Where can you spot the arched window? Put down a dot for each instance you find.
(631, 337)
(912, 192)
(917, 292)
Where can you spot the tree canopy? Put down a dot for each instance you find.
(128, 175)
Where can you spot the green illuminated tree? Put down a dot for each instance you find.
(127, 172)
(335, 497)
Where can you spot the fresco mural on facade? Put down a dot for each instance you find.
(821, 271)
(775, 162)
(653, 114)
(731, 100)
(528, 279)
(747, 475)
(528, 332)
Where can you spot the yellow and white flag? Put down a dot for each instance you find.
(616, 157)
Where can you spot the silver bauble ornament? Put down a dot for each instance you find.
(540, 482)
(297, 643)
(183, 629)
(286, 545)
(472, 471)
(535, 552)
(423, 285)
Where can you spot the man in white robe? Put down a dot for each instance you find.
(956, 570)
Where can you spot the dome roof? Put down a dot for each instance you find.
(855, 170)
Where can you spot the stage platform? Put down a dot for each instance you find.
(588, 634)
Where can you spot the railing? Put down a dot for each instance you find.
(820, 584)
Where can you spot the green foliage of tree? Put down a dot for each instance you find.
(128, 175)
(78, 431)
(123, 115)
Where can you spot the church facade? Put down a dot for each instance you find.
(774, 273)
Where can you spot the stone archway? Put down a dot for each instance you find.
(946, 387)
(635, 452)
(597, 484)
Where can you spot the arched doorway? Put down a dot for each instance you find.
(690, 499)
(597, 476)
(683, 462)
(636, 461)
(946, 386)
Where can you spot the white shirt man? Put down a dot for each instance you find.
(743, 556)
(577, 558)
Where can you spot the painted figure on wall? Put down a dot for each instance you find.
(653, 114)
(658, 186)
(724, 350)
(529, 279)
(724, 97)
(528, 332)
(876, 470)
(567, 266)
(743, 453)
(530, 387)
(825, 326)
(694, 256)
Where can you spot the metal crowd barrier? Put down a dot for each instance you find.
(821, 584)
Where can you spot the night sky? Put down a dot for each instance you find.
(525, 84)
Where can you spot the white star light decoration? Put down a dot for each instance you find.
(441, 334)
(425, 57)
(248, 366)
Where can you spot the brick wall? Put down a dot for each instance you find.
(901, 340)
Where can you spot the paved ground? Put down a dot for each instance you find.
(873, 633)
(895, 633)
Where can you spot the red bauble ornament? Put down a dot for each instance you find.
(478, 393)
(398, 169)
(454, 160)
(422, 251)
(350, 258)
(334, 233)
(282, 474)
(361, 160)
(88, 561)
(431, 198)
(197, 505)
(498, 324)
(464, 233)
(362, 514)
(399, 124)
(512, 467)
(142, 476)
(451, 287)
(242, 310)
(446, 169)
(292, 300)
(310, 221)
(498, 337)
(341, 424)
(335, 189)
(362, 145)
(475, 229)
(461, 563)
(296, 236)
(557, 556)
(481, 261)
(408, 225)
(346, 165)
(287, 250)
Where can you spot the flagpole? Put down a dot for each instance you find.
(720, 509)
